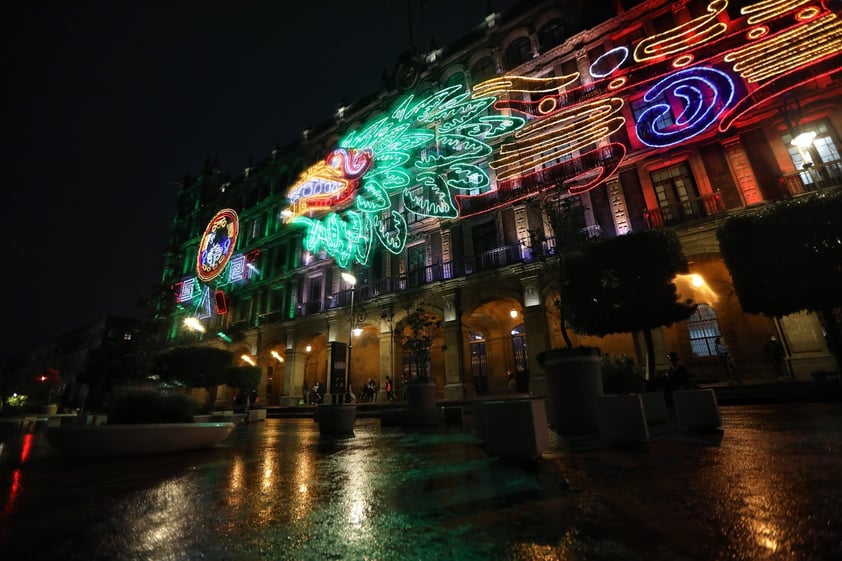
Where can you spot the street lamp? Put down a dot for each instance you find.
(351, 280)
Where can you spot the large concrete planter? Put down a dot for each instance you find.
(336, 420)
(574, 383)
(420, 408)
(136, 440)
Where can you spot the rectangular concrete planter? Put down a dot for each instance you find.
(655, 407)
(697, 409)
(516, 428)
(255, 415)
(622, 419)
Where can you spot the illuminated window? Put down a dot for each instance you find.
(822, 152)
(127, 336)
(479, 362)
(704, 328)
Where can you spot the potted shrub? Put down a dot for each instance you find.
(416, 333)
(245, 379)
(572, 373)
(195, 367)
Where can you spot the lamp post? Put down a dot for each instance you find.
(352, 281)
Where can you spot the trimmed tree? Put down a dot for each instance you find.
(195, 367)
(787, 257)
(626, 284)
(245, 378)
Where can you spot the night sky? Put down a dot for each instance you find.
(109, 104)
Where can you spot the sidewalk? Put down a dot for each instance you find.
(751, 392)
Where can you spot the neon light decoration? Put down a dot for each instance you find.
(430, 155)
(217, 244)
(329, 183)
(691, 34)
(415, 157)
(705, 93)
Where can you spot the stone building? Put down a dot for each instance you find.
(433, 192)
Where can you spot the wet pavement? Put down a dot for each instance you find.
(768, 486)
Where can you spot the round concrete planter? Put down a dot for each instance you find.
(135, 440)
(336, 420)
(574, 382)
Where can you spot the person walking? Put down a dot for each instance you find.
(305, 392)
(725, 356)
(390, 391)
(775, 352)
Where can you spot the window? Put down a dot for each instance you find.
(676, 192)
(551, 34)
(519, 348)
(822, 154)
(479, 362)
(665, 119)
(483, 69)
(703, 328)
(127, 336)
(518, 52)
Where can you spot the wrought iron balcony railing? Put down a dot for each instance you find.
(685, 211)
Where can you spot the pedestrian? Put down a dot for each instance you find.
(305, 392)
(678, 377)
(725, 356)
(350, 396)
(390, 391)
(775, 352)
(316, 393)
(511, 382)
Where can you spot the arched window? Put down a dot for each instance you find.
(482, 70)
(518, 52)
(551, 34)
(704, 328)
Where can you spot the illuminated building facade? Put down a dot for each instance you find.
(431, 192)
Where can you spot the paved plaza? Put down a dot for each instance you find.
(765, 487)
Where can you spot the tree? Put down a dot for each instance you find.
(786, 257)
(567, 222)
(416, 333)
(195, 367)
(625, 284)
(245, 378)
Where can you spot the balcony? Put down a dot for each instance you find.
(686, 211)
(813, 178)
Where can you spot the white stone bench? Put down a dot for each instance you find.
(621, 418)
(697, 409)
(515, 428)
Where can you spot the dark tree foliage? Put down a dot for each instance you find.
(194, 366)
(787, 257)
(415, 333)
(245, 377)
(625, 284)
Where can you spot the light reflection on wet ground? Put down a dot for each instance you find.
(767, 487)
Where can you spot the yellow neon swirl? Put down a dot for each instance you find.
(690, 34)
(769, 9)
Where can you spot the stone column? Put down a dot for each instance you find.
(387, 358)
(454, 387)
(741, 169)
(537, 332)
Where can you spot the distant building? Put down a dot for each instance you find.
(96, 355)
(432, 191)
